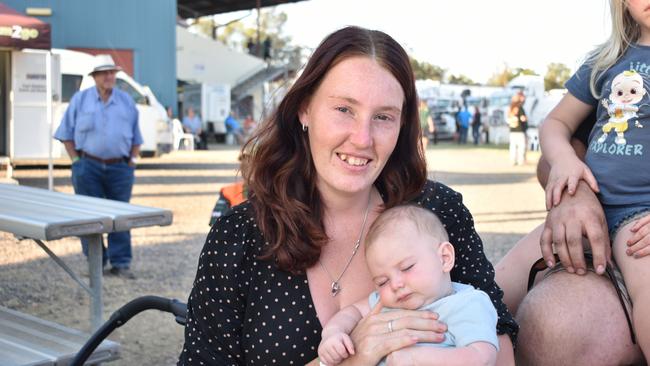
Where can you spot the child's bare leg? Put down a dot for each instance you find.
(636, 272)
(511, 273)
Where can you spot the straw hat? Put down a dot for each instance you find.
(104, 63)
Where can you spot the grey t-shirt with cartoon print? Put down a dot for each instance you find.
(620, 138)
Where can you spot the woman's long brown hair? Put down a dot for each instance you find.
(278, 167)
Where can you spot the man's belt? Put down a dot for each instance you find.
(84, 154)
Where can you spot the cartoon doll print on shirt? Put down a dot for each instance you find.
(627, 91)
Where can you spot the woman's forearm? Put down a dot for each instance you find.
(506, 354)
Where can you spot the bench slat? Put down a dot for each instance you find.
(113, 209)
(28, 340)
(13, 355)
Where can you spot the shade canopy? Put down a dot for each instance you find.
(198, 8)
(21, 31)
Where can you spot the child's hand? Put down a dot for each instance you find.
(335, 348)
(567, 173)
(639, 244)
(400, 357)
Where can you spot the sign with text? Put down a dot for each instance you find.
(30, 123)
(19, 31)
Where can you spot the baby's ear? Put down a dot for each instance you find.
(447, 256)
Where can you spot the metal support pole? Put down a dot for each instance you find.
(65, 267)
(48, 104)
(95, 268)
(259, 41)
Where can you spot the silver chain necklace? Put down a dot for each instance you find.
(336, 286)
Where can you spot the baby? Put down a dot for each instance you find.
(410, 259)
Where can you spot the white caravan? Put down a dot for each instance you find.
(538, 104)
(212, 103)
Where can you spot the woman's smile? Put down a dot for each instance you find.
(353, 160)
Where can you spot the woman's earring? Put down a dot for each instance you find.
(304, 128)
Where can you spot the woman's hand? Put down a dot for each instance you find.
(566, 174)
(639, 244)
(400, 357)
(378, 334)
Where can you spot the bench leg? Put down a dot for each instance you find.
(95, 271)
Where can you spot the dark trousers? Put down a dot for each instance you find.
(462, 136)
(201, 141)
(476, 134)
(114, 182)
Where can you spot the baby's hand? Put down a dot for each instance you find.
(639, 244)
(400, 357)
(335, 348)
(567, 173)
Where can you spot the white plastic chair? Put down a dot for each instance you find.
(533, 139)
(182, 140)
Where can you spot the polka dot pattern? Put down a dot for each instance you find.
(243, 311)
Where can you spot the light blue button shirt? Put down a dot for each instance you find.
(106, 130)
(194, 124)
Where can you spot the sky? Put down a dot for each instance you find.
(475, 38)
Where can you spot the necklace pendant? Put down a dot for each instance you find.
(336, 288)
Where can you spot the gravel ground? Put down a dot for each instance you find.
(506, 203)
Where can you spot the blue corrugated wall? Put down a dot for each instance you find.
(148, 27)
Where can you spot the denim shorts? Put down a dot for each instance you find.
(620, 215)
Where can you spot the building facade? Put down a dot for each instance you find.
(140, 35)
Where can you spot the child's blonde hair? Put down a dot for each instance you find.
(424, 220)
(625, 31)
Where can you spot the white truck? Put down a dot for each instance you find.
(31, 133)
(212, 103)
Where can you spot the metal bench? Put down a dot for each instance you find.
(37, 214)
(27, 340)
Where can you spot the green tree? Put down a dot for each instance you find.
(424, 70)
(461, 80)
(523, 71)
(237, 34)
(556, 75)
(503, 76)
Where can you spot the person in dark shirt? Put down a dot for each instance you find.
(518, 123)
(342, 146)
(476, 125)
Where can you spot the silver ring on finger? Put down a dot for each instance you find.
(390, 326)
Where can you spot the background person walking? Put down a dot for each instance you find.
(101, 134)
(426, 122)
(476, 125)
(464, 118)
(518, 123)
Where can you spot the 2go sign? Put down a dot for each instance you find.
(19, 32)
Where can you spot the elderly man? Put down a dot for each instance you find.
(192, 124)
(101, 135)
